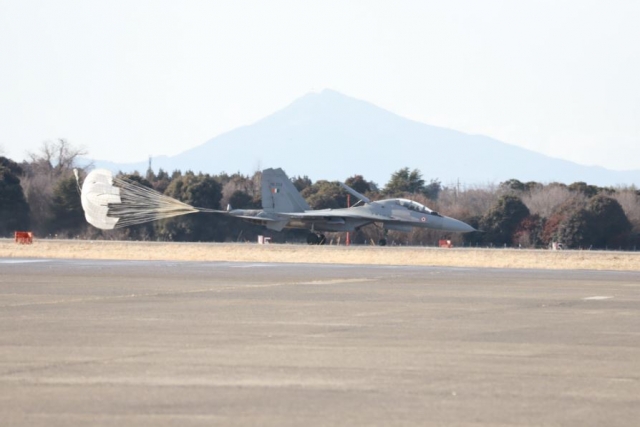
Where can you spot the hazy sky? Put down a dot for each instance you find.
(127, 79)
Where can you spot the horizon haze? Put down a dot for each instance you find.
(129, 79)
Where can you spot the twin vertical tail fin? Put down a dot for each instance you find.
(279, 194)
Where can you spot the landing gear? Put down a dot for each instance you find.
(316, 239)
(312, 239)
(383, 240)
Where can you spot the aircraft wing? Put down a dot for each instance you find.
(337, 213)
(334, 215)
(271, 221)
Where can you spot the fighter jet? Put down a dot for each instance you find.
(284, 207)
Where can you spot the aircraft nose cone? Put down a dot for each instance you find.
(451, 224)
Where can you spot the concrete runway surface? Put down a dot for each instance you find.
(122, 343)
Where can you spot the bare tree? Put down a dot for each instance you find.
(466, 203)
(544, 200)
(630, 202)
(54, 160)
(57, 158)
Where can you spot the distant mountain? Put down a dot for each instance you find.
(331, 136)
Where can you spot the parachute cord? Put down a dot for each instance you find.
(207, 210)
(75, 173)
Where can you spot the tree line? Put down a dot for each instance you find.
(41, 194)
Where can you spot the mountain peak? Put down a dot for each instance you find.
(329, 135)
(326, 96)
(332, 107)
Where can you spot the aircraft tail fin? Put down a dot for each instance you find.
(279, 194)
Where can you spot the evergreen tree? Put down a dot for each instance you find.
(325, 195)
(200, 191)
(574, 230)
(14, 210)
(432, 189)
(404, 181)
(161, 182)
(301, 182)
(501, 222)
(240, 199)
(513, 185)
(599, 222)
(67, 217)
(608, 223)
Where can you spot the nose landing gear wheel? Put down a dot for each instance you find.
(382, 242)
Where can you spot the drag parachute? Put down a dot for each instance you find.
(110, 202)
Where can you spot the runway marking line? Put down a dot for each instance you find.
(597, 298)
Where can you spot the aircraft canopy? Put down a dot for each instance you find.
(415, 206)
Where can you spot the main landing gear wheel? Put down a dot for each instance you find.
(383, 240)
(316, 239)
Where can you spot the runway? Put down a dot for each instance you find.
(158, 343)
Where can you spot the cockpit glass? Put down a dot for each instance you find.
(413, 206)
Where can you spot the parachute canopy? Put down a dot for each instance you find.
(98, 192)
(110, 202)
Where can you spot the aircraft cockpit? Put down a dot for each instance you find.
(416, 207)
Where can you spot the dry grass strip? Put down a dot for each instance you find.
(366, 255)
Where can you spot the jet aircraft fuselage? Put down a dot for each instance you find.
(284, 207)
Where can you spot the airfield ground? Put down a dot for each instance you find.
(168, 343)
(287, 253)
(139, 333)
